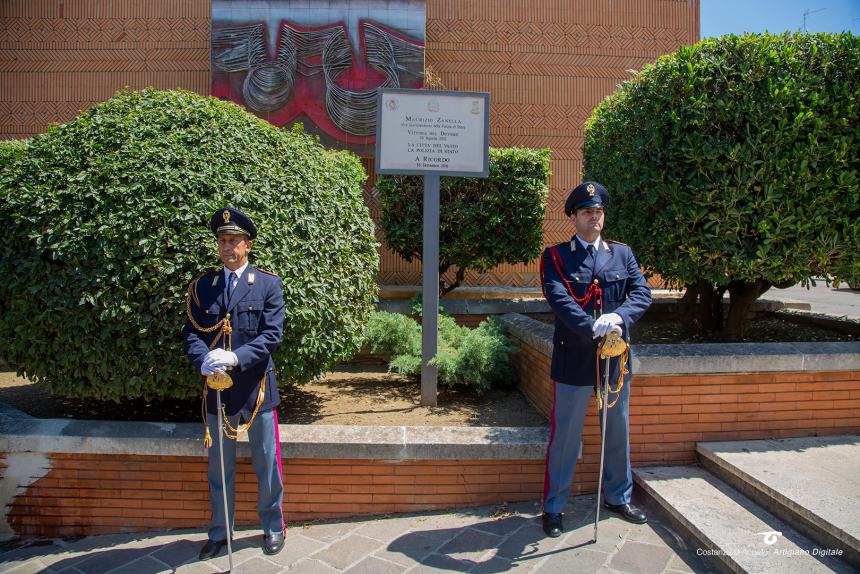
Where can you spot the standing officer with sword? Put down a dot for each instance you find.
(596, 291)
(234, 324)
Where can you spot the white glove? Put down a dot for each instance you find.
(207, 370)
(606, 323)
(219, 360)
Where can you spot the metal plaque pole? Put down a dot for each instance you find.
(430, 291)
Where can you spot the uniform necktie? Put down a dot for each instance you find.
(233, 277)
(593, 253)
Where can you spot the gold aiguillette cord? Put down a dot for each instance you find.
(219, 381)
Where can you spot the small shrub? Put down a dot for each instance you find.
(474, 358)
(393, 334)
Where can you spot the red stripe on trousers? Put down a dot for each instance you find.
(278, 458)
(548, 445)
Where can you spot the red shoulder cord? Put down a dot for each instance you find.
(593, 292)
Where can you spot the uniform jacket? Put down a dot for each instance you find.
(625, 292)
(256, 310)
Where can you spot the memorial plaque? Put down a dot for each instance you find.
(431, 131)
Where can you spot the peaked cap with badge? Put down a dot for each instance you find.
(231, 221)
(586, 194)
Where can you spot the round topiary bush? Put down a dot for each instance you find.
(734, 165)
(106, 224)
(11, 151)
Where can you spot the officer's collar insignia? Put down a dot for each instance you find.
(215, 280)
(573, 244)
(590, 189)
(251, 278)
(226, 215)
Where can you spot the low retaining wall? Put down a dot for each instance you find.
(67, 478)
(682, 394)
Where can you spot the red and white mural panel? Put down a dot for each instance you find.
(318, 62)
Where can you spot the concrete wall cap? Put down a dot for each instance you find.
(297, 441)
(710, 358)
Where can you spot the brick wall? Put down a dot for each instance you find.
(669, 414)
(546, 65)
(95, 494)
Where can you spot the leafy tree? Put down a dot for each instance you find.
(483, 222)
(734, 166)
(106, 224)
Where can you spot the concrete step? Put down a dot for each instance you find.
(732, 530)
(813, 483)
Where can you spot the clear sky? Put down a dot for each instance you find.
(720, 17)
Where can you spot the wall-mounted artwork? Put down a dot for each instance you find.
(318, 62)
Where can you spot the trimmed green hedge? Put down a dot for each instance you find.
(484, 222)
(734, 164)
(11, 151)
(107, 224)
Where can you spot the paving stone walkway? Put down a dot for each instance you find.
(476, 540)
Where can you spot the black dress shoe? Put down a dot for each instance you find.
(628, 512)
(211, 549)
(273, 543)
(552, 524)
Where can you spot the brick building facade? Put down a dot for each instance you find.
(546, 64)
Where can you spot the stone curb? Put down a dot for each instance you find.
(710, 358)
(520, 301)
(297, 441)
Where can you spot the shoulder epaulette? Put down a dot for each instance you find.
(204, 274)
(267, 272)
(192, 287)
(618, 242)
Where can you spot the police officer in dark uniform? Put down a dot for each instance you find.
(593, 286)
(234, 325)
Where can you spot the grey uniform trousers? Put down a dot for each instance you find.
(266, 460)
(568, 415)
